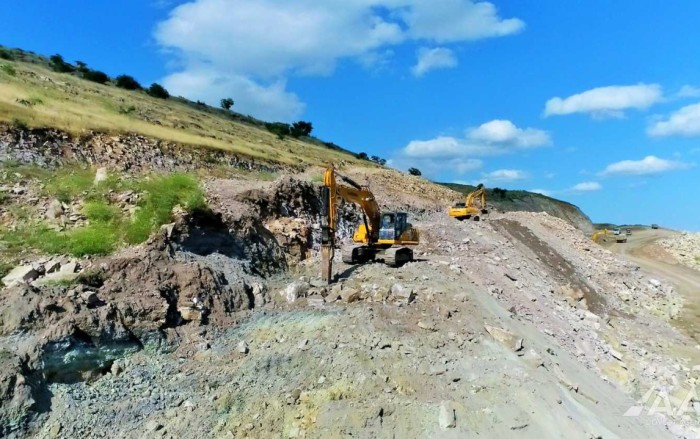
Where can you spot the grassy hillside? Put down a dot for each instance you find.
(33, 95)
(516, 200)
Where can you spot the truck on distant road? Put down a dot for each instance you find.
(654, 226)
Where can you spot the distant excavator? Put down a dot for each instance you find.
(473, 207)
(381, 236)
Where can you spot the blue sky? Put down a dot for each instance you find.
(597, 103)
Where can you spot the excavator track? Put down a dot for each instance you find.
(396, 257)
(358, 254)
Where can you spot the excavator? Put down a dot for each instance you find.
(473, 207)
(381, 236)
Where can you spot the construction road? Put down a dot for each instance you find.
(642, 249)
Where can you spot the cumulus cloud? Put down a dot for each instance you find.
(689, 91)
(496, 137)
(269, 102)
(684, 122)
(647, 166)
(433, 59)
(609, 101)
(491, 138)
(586, 186)
(264, 41)
(505, 176)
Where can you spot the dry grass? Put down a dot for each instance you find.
(38, 97)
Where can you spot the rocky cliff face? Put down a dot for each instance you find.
(523, 201)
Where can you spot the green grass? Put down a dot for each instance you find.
(8, 69)
(107, 227)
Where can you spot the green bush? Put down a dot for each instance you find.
(158, 91)
(8, 69)
(101, 212)
(363, 156)
(6, 54)
(127, 82)
(414, 171)
(278, 128)
(227, 103)
(300, 129)
(57, 64)
(96, 76)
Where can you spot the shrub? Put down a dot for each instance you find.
(82, 67)
(57, 64)
(127, 82)
(158, 91)
(414, 171)
(362, 156)
(300, 129)
(278, 128)
(8, 69)
(96, 76)
(100, 212)
(20, 124)
(227, 103)
(6, 54)
(127, 110)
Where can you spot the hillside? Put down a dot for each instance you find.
(518, 200)
(34, 96)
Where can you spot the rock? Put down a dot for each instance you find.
(260, 295)
(152, 426)
(242, 347)
(429, 326)
(70, 267)
(655, 283)
(506, 338)
(350, 295)
(55, 430)
(190, 314)
(52, 266)
(100, 175)
(54, 211)
(401, 294)
(116, 368)
(56, 277)
(90, 298)
(294, 291)
(616, 355)
(20, 274)
(447, 418)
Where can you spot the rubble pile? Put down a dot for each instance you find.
(685, 248)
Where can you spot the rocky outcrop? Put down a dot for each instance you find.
(126, 152)
(685, 247)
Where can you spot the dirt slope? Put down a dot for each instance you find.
(515, 325)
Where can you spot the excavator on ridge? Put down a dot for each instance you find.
(381, 236)
(473, 207)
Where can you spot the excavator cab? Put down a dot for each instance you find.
(392, 225)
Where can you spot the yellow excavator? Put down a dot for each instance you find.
(473, 207)
(381, 236)
(600, 235)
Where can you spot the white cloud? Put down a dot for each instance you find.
(505, 175)
(684, 122)
(689, 91)
(646, 166)
(586, 186)
(433, 59)
(606, 101)
(264, 41)
(492, 138)
(269, 102)
(505, 132)
(545, 192)
(456, 20)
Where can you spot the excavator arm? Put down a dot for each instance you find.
(331, 194)
(478, 194)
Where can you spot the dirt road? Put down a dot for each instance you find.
(642, 249)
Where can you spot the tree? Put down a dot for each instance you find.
(128, 82)
(96, 76)
(362, 156)
(414, 171)
(301, 128)
(158, 91)
(6, 54)
(227, 103)
(57, 64)
(82, 67)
